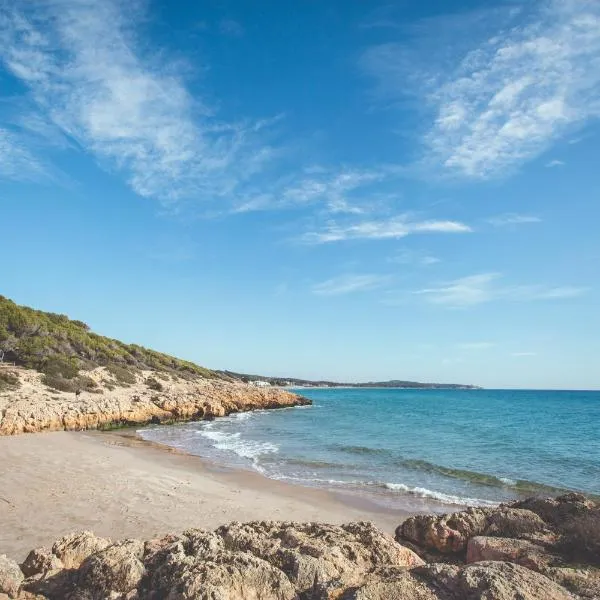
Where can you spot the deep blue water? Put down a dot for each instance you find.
(403, 448)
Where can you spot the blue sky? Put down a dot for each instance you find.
(343, 189)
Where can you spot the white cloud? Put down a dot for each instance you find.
(523, 354)
(513, 219)
(347, 284)
(341, 191)
(555, 163)
(394, 228)
(89, 76)
(16, 161)
(508, 97)
(485, 287)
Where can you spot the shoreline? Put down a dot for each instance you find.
(119, 486)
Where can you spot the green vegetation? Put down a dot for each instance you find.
(154, 384)
(59, 347)
(8, 380)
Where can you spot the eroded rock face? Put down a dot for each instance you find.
(11, 577)
(316, 556)
(493, 581)
(73, 549)
(449, 534)
(520, 552)
(33, 407)
(273, 560)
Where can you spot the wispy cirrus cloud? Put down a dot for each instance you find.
(513, 219)
(393, 228)
(336, 190)
(90, 77)
(348, 284)
(487, 287)
(555, 163)
(532, 77)
(16, 160)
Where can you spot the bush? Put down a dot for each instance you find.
(581, 537)
(8, 380)
(121, 374)
(60, 366)
(61, 384)
(154, 384)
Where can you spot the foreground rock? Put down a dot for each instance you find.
(505, 553)
(33, 407)
(259, 560)
(557, 538)
(521, 551)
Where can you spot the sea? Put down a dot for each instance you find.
(412, 449)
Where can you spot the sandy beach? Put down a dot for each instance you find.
(118, 486)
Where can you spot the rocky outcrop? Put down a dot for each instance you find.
(555, 538)
(33, 407)
(273, 560)
(267, 560)
(449, 534)
(11, 577)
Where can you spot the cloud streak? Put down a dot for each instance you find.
(394, 228)
(88, 75)
(509, 219)
(348, 284)
(487, 287)
(507, 99)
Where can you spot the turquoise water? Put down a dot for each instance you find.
(412, 448)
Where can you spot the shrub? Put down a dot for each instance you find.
(8, 380)
(154, 384)
(60, 366)
(61, 384)
(121, 374)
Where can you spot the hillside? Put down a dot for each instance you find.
(56, 374)
(60, 348)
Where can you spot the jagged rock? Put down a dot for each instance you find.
(73, 549)
(316, 556)
(223, 575)
(11, 577)
(396, 584)
(560, 510)
(492, 581)
(33, 407)
(520, 552)
(450, 533)
(583, 581)
(40, 561)
(117, 569)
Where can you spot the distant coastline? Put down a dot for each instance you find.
(261, 380)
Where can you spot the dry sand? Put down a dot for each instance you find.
(117, 486)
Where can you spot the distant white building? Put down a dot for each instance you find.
(260, 383)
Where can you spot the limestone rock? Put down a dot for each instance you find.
(520, 552)
(117, 569)
(316, 556)
(492, 581)
(11, 577)
(33, 407)
(558, 511)
(396, 584)
(450, 533)
(40, 561)
(73, 549)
